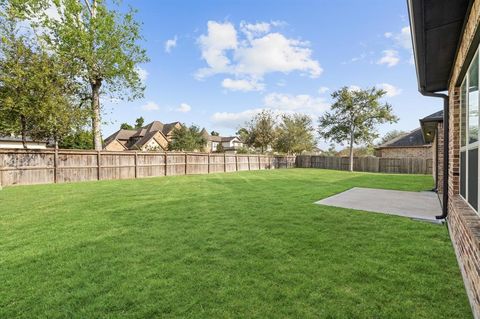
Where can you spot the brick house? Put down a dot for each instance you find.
(432, 129)
(410, 144)
(446, 38)
(152, 137)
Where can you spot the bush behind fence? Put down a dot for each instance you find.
(22, 167)
(407, 165)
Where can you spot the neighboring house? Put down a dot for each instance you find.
(410, 144)
(230, 144)
(16, 142)
(446, 39)
(432, 129)
(152, 137)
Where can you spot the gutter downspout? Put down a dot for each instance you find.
(445, 149)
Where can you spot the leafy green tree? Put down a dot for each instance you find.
(295, 134)
(80, 139)
(139, 122)
(37, 88)
(391, 135)
(126, 126)
(214, 133)
(354, 117)
(187, 139)
(220, 148)
(243, 134)
(262, 130)
(102, 44)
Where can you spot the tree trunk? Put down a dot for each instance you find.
(96, 116)
(23, 123)
(351, 151)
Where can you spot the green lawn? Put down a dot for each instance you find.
(238, 245)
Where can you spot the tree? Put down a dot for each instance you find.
(295, 134)
(391, 135)
(261, 130)
(37, 88)
(126, 126)
(139, 122)
(220, 148)
(187, 139)
(243, 134)
(214, 133)
(354, 117)
(80, 139)
(102, 44)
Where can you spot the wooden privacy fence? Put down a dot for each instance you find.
(22, 167)
(407, 165)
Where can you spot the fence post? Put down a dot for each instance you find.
(99, 176)
(165, 163)
(136, 164)
(55, 165)
(208, 165)
(248, 160)
(186, 163)
(225, 162)
(258, 159)
(236, 162)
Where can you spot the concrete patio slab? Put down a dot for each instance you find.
(417, 205)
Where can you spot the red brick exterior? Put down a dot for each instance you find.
(400, 152)
(437, 155)
(463, 222)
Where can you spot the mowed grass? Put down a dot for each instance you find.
(240, 245)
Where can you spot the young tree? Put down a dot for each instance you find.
(187, 139)
(261, 130)
(220, 148)
(354, 117)
(102, 43)
(126, 126)
(139, 122)
(295, 134)
(214, 133)
(391, 135)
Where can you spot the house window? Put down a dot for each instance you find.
(469, 134)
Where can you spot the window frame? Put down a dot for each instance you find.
(476, 145)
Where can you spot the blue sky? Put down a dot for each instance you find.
(226, 59)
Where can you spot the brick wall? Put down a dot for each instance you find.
(463, 222)
(400, 152)
(437, 150)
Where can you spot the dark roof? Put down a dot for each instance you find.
(434, 117)
(429, 125)
(412, 139)
(436, 27)
(11, 138)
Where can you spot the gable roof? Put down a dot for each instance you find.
(411, 139)
(434, 117)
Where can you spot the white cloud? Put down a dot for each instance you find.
(170, 44)
(150, 106)
(233, 120)
(404, 38)
(388, 35)
(390, 89)
(184, 108)
(242, 85)
(323, 90)
(254, 55)
(142, 73)
(390, 58)
(300, 102)
(220, 37)
(254, 30)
